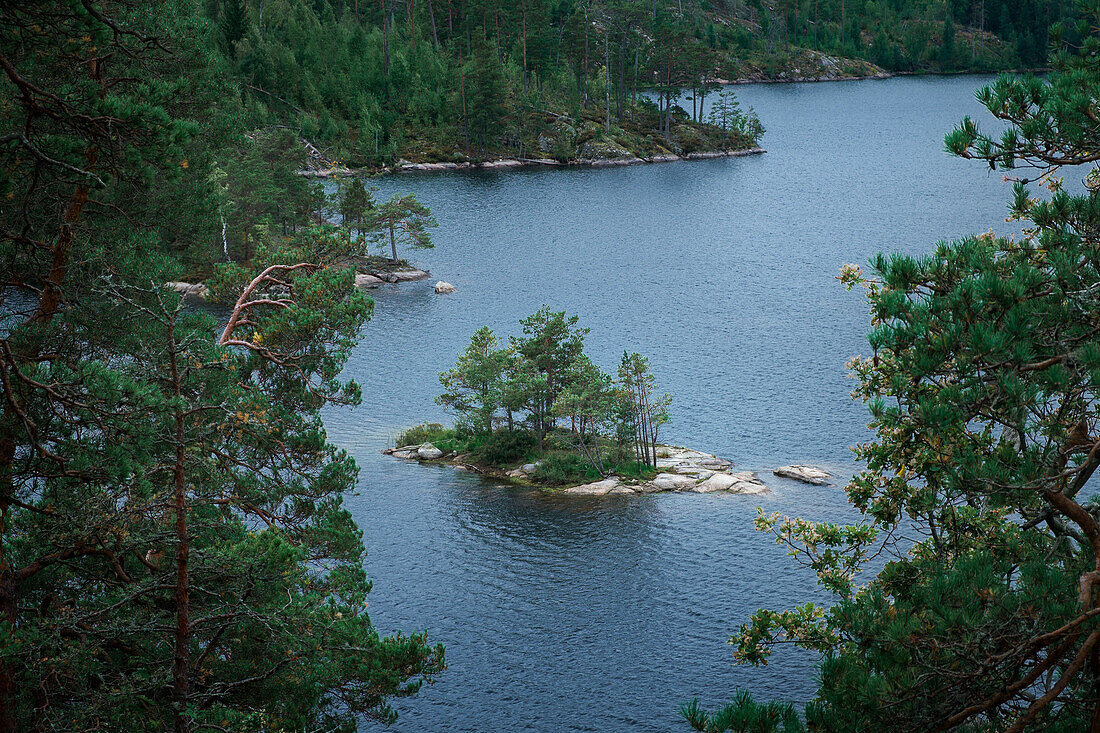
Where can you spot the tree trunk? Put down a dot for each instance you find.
(622, 77)
(431, 17)
(586, 57)
(385, 43)
(607, 80)
(393, 244)
(465, 122)
(181, 662)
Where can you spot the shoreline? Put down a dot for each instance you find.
(363, 280)
(513, 163)
(680, 470)
(876, 77)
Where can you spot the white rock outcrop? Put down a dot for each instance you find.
(805, 474)
(189, 290)
(716, 482)
(444, 287)
(402, 276)
(597, 488)
(747, 483)
(684, 470)
(363, 280)
(429, 452)
(672, 482)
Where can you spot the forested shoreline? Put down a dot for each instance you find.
(469, 80)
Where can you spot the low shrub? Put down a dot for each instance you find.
(505, 447)
(635, 469)
(565, 468)
(425, 433)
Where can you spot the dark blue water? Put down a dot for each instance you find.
(605, 614)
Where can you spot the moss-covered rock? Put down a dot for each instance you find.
(604, 149)
(559, 141)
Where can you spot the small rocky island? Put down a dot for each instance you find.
(536, 411)
(680, 470)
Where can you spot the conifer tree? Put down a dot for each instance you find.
(475, 385)
(403, 219)
(487, 94)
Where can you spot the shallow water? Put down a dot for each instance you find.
(605, 614)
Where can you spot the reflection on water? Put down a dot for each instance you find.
(605, 614)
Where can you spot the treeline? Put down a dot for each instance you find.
(257, 200)
(906, 35)
(174, 552)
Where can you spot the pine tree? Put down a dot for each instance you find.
(233, 23)
(403, 220)
(982, 388)
(474, 387)
(173, 553)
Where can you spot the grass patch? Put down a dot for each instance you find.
(425, 433)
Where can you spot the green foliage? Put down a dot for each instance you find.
(174, 553)
(402, 220)
(506, 447)
(545, 357)
(475, 387)
(541, 378)
(560, 469)
(743, 715)
(425, 433)
(642, 411)
(486, 96)
(356, 204)
(726, 114)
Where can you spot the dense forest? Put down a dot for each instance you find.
(174, 550)
(447, 80)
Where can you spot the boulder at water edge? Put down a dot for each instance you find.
(429, 452)
(598, 488)
(367, 281)
(805, 474)
(442, 287)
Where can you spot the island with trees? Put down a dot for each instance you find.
(538, 411)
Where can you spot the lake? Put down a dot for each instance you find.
(604, 614)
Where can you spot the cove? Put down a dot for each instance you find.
(605, 614)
